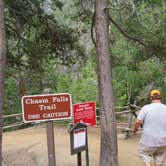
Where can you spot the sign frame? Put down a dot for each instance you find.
(75, 150)
(47, 119)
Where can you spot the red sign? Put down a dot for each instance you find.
(85, 113)
(46, 107)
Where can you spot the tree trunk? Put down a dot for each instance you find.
(108, 151)
(2, 69)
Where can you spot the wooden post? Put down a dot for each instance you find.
(87, 150)
(50, 143)
(79, 162)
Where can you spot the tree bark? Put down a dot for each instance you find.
(2, 69)
(108, 149)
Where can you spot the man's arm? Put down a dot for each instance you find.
(137, 124)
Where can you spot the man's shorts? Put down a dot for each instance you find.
(147, 153)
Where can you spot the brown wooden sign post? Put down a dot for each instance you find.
(50, 143)
(47, 108)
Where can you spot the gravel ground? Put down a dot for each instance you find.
(28, 147)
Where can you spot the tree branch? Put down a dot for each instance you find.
(15, 31)
(92, 26)
(126, 34)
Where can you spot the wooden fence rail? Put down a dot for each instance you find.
(130, 109)
(12, 115)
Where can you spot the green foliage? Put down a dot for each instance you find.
(37, 41)
(44, 49)
(12, 99)
(132, 73)
(82, 85)
(145, 22)
(138, 67)
(35, 34)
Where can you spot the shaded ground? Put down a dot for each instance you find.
(28, 147)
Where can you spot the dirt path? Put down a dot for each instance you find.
(28, 147)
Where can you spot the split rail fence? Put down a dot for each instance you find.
(129, 111)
